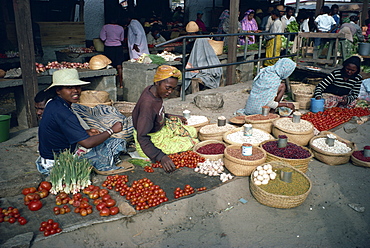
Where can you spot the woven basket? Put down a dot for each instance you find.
(304, 100)
(210, 136)
(329, 157)
(301, 88)
(94, 96)
(237, 130)
(358, 162)
(314, 81)
(299, 164)
(240, 167)
(210, 157)
(218, 46)
(237, 120)
(200, 125)
(299, 138)
(265, 125)
(278, 201)
(93, 104)
(125, 108)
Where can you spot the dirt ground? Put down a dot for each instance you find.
(218, 217)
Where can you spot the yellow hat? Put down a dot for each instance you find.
(66, 77)
(280, 8)
(99, 62)
(192, 27)
(258, 11)
(166, 71)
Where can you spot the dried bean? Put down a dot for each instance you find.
(360, 155)
(214, 128)
(212, 149)
(291, 151)
(339, 147)
(237, 153)
(261, 117)
(257, 137)
(196, 119)
(288, 124)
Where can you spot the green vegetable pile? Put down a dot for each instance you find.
(139, 162)
(292, 27)
(157, 59)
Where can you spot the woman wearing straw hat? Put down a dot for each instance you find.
(157, 133)
(61, 130)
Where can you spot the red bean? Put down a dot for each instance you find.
(237, 153)
(291, 151)
(211, 149)
(360, 155)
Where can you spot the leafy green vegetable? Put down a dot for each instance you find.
(139, 162)
(157, 59)
(292, 27)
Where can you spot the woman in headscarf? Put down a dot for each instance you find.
(224, 17)
(250, 25)
(267, 88)
(157, 133)
(342, 86)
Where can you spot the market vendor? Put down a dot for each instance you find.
(61, 130)
(191, 29)
(342, 86)
(41, 99)
(154, 37)
(268, 88)
(157, 133)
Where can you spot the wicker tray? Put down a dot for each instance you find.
(211, 136)
(210, 157)
(200, 125)
(358, 162)
(237, 120)
(265, 125)
(241, 167)
(299, 164)
(95, 96)
(125, 108)
(237, 130)
(329, 157)
(299, 138)
(278, 201)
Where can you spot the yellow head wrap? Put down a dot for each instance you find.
(166, 71)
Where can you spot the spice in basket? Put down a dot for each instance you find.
(212, 149)
(298, 186)
(288, 124)
(360, 155)
(214, 128)
(291, 151)
(237, 153)
(338, 147)
(257, 137)
(261, 117)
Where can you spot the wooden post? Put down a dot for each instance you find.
(319, 4)
(365, 7)
(231, 43)
(22, 14)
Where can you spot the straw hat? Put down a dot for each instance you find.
(280, 8)
(99, 62)
(258, 11)
(192, 27)
(66, 77)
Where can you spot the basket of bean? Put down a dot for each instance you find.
(299, 133)
(296, 156)
(336, 152)
(361, 158)
(214, 132)
(198, 121)
(261, 121)
(281, 194)
(238, 137)
(210, 149)
(241, 165)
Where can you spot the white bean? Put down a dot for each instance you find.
(257, 137)
(339, 147)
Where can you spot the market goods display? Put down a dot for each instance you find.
(62, 65)
(297, 156)
(333, 117)
(303, 94)
(50, 227)
(241, 165)
(80, 50)
(339, 153)
(261, 121)
(11, 215)
(214, 132)
(210, 149)
(70, 173)
(213, 168)
(188, 159)
(168, 56)
(358, 157)
(187, 190)
(279, 194)
(238, 120)
(237, 137)
(263, 174)
(299, 133)
(197, 121)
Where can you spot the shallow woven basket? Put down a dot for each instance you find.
(230, 142)
(278, 201)
(314, 81)
(241, 167)
(358, 162)
(93, 104)
(94, 96)
(210, 136)
(200, 125)
(301, 88)
(265, 125)
(125, 108)
(210, 157)
(299, 164)
(329, 157)
(299, 138)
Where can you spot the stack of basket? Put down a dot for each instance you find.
(125, 108)
(265, 125)
(302, 93)
(91, 98)
(213, 132)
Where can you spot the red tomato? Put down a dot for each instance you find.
(45, 185)
(35, 205)
(113, 210)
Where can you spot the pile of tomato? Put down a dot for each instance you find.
(333, 117)
(49, 227)
(183, 159)
(11, 215)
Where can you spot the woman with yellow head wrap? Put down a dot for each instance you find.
(157, 133)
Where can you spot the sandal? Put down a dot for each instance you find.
(125, 166)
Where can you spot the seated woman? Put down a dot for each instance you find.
(342, 86)
(267, 88)
(154, 37)
(157, 133)
(61, 130)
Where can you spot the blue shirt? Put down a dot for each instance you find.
(59, 129)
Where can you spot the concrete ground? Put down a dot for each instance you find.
(216, 218)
